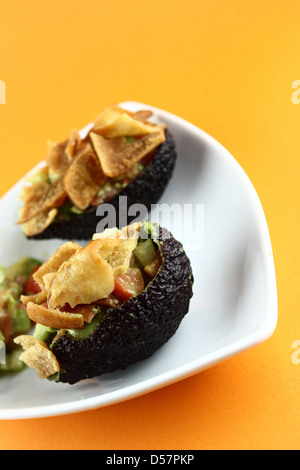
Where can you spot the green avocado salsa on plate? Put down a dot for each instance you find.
(15, 281)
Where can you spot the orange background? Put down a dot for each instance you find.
(228, 67)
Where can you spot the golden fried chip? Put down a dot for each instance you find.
(132, 230)
(84, 178)
(27, 341)
(142, 115)
(42, 360)
(52, 265)
(74, 144)
(107, 116)
(40, 197)
(40, 222)
(36, 298)
(47, 279)
(116, 122)
(84, 279)
(57, 159)
(117, 249)
(108, 246)
(61, 154)
(38, 356)
(117, 156)
(108, 233)
(31, 195)
(54, 318)
(119, 260)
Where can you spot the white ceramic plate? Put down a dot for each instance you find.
(235, 298)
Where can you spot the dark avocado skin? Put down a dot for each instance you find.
(136, 330)
(146, 189)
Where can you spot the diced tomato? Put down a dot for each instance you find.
(112, 301)
(87, 311)
(129, 284)
(31, 287)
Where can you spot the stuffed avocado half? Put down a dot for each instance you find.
(108, 305)
(119, 154)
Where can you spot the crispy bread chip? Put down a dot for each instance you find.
(40, 222)
(61, 154)
(36, 298)
(117, 122)
(84, 279)
(142, 115)
(120, 258)
(38, 356)
(117, 156)
(57, 159)
(74, 144)
(84, 178)
(132, 230)
(108, 233)
(40, 197)
(47, 279)
(42, 360)
(53, 264)
(108, 246)
(27, 341)
(116, 247)
(87, 311)
(54, 318)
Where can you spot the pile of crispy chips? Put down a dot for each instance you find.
(71, 282)
(75, 276)
(77, 168)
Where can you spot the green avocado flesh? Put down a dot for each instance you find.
(12, 363)
(145, 252)
(13, 318)
(47, 334)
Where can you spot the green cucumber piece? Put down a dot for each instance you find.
(145, 252)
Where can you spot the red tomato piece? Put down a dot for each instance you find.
(129, 284)
(31, 287)
(87, 311)
(112, 301)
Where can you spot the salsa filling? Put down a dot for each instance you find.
(15, 281)
(128, 266)
(89, 168)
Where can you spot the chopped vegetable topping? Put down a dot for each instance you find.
(84, 172)
(129, 284)
(81, 284)
(14, 282)
(145, 252)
